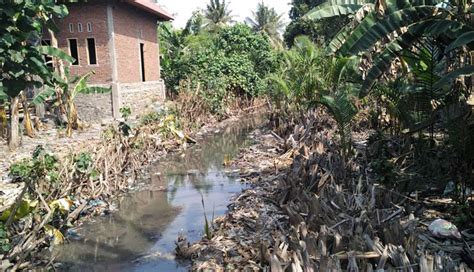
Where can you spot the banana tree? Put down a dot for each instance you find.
(21, 59)
(69, 94)
(401, 23)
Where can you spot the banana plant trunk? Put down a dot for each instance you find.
(72, 117)
(29, 131)
(13, 124)
(3, 121)
(59, 67)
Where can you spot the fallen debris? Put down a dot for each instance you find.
(308, 209)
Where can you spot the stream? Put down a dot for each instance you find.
(141, 235)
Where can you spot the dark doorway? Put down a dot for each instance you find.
(73, 51)
(91, 51)
(142, 60)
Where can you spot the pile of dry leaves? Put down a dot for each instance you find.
(309, 210)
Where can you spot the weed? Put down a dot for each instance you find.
(207, 226)
(5, 245)
(124, 127)
(151, 118)
(42, 166)
(83, 162)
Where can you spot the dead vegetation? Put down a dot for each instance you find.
(310, 210)
(84, 183)
(62, 190)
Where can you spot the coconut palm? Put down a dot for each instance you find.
(265, 19)
(217, 14)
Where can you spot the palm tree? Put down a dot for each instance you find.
(266, 20)
(217, 14)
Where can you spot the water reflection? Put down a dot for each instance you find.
(141, 236)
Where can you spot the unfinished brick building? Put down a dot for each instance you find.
(118, 40)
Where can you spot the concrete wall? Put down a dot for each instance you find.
(142, 98)
(94, 107)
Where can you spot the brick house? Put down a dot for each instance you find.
(118, 40)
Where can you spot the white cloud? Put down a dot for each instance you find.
(183, 9)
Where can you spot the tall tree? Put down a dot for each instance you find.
(266, 20)
(21, 58)
(217, 14)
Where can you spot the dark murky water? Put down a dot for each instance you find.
(142, 235)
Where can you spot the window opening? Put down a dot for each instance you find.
(142, 60)
(73, 51)
(91, 51)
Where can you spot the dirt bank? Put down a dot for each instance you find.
(310, 210)
(58, 191)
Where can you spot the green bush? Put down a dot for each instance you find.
(232, 62)
(42, 166)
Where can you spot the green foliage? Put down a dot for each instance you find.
(83, 162)
(21, 59)
(124, 127)
(150, 118)
(266, 20)
(420, 79)
(232, 62)
(308, 78)
(322, 30)
(25, 207)
(217, 14)
(5, 244)
(207, 226)
(43, 166)
(195, 24)
(125, 112)
(300, 79)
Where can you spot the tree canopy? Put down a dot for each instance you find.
(265, 19)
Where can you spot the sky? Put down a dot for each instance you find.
(183, 9)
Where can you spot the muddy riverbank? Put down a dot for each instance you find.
(72, 187)
(141, 235)
(307, 209)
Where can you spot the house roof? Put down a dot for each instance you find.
(152, 8)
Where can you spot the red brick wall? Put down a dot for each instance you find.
(96, 14)
(132, 27)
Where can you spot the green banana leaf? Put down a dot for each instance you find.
(464, 39)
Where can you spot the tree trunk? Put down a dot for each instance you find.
(13, 125)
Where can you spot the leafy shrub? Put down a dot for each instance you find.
(223, 65)
(83, 162)
(124, 127)
(41, 167)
